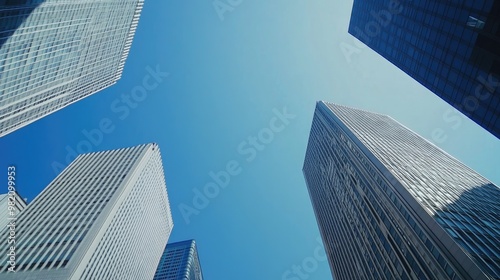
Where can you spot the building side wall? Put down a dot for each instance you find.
(90, 219)
(7, 214)
(373, 227)
(459, 199)
(54, 53)
(138, 230)
(434, 42)
(179, 261)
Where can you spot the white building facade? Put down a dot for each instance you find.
(11, 204)
(54, 53)
(106, 216)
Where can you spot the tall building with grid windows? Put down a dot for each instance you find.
(11, 204)
(391, 205)
(54, 53)
(106, 216)
(179, 262)
(450, 47)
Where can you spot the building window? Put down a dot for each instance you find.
(475, 23)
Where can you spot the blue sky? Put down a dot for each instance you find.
(227, 77)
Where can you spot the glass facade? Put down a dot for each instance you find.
(450, 47)
(391, 205)
(106, 216)
(179, 262)
(54, 53)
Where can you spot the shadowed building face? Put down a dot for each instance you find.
(450, 47)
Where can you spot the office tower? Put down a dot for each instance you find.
(11, 204)
(54, 53)
(106, 216)
(450, 47)
(391, 205)
(179, 262)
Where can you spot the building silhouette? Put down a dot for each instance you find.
(106, 216)
(391, 205)
(450, 47)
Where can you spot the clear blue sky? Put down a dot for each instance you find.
(225, 78)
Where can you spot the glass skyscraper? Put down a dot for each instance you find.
(391, 205)
(54, 53)
(106, 216)
(179, 262)
(450, 47)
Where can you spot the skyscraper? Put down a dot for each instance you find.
(391, 205)
(106, 216)
(11, 204)
(54, 53)
(450, 47)
(179, 262)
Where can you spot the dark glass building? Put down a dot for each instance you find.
(450, 47)
(391, 205)
(179, 262)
